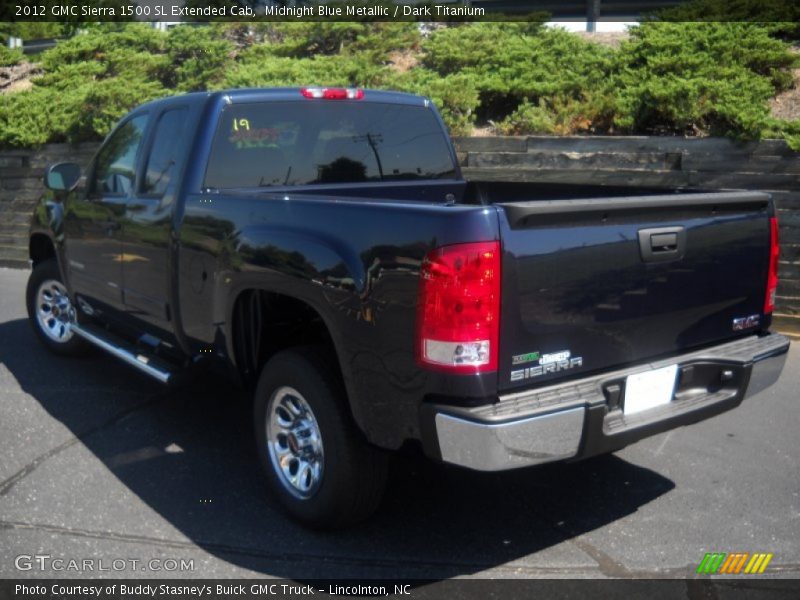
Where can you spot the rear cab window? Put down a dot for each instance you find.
(269, 144)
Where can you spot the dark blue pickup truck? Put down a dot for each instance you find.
(321, 247)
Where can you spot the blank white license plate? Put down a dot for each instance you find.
(647, 390)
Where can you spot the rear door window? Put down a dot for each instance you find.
(164, 152)
(326, 142)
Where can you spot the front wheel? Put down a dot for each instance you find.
(51, 312)
(316, 461)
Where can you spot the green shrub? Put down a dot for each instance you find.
(781, 17)
(277, 71)
(561, 115)
(693, 78)
(9, 57)
(68, 77)
(29, 119)
(32, 30)
(383, 38)
(304, 40)
(457, 47)
(198, 58)
(529, 119)
(89, 82)
(455, 95)
(86, 112)
(96, 43)
(699, 78)
(330, 38)
(105, 102)
(788, 130)
(527, 62)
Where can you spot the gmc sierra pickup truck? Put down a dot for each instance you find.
(321, 247)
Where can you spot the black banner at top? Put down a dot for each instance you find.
(255, 11)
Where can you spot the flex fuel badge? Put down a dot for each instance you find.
(521, 359)
(548, 363)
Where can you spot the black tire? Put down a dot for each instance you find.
(44, 272)
(354, 473)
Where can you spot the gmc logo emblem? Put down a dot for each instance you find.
(746, 322)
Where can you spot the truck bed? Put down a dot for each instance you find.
(584, 289)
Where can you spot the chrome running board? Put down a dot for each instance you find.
(150, 365)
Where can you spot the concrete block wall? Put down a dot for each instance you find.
(668, 162)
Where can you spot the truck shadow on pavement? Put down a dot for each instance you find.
(188, 454)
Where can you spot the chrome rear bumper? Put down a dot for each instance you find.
(766, 371)
(494, 447)
(579, 418)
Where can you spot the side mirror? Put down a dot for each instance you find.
(62, 177)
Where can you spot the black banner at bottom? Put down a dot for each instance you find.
(505, 589)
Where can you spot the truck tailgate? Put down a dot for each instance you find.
(592, 284)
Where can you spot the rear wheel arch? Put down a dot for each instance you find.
(321, 333)
(263, 323)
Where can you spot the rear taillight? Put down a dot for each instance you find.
(772, 275)
(319, 93)
(458, 315)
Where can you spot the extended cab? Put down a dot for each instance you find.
(321, 247)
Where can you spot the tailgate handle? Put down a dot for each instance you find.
(662, 243)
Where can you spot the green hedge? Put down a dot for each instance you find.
(9, 57)
(699, 78)
(709, 78)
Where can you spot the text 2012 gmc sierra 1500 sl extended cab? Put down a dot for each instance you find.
(321, 246)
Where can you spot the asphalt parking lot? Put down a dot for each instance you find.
(98, 462)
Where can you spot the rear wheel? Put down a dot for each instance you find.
(316, 461)
(51, 312)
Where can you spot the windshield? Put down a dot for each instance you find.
(325, 142)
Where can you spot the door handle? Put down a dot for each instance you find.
(660, 244)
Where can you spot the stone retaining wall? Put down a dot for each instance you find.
(642, 161)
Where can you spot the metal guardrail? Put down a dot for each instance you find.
(31, 46)
(580, 9)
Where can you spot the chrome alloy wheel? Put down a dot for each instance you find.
(54, 311)
(294, 442)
